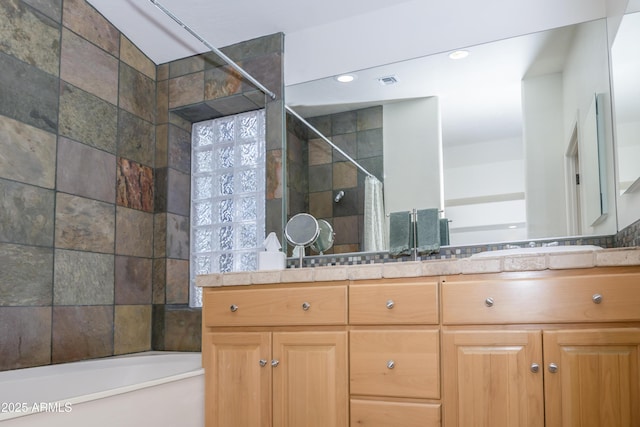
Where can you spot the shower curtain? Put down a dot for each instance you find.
(375, 233)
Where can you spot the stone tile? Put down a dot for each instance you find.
(177, 290)
(186, 90)
(274, 112)
(162, 146)
(85, 171)
(560, 261)
(81, 332)
(162, 71)
(236, 278)
(297, 177)
(266, 277)
(260, 46)
(402, 269)
(329, 274)
(29, 95)
(621, 256)
(136, 138)
(221, 82)
(179, 149)
(365, 271)
(274, 216)
(375, 167)
(27, 154)
(441, 267)
(268, 70)
(178, 236)
(486, 265)
(297, 275)
(345, 175)
(30, 37)
(320, 204)
(346, 249)
(189, 65)
(209, 280)
(274, 174)
(524, 263)
(84, 224)
(369, 118)
(88, 67)
(83, 278)
(87, 118)
(320, 178)
(230, 105)
(346, 229)
(183, 329)
(85, 21)
(349, 205)
(342, 123)
(134, 185)
(322, 124)
(161, 179)
(369, 143)
(178, 192)
(132, 329)
(25, 276)
(348, 143)
(162, 101)
(26, 214)
(51, 8)
(160, 235)
(25, 337)
(131, 55)
(137, 93)
(320, 152)
(133, 280)
(159, 280)
(157, 326)
(134, 233)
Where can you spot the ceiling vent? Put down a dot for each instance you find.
(388, 80)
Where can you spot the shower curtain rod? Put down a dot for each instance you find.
(253, 80)
(328, 141)
(217, 51)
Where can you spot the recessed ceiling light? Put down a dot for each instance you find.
(345, 78)
(459, 54)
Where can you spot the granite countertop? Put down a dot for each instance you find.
(497, 264)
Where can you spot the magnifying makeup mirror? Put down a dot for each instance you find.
(304, 230)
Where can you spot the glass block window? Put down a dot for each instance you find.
(227, 195)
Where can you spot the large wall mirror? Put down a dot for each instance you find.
(501, 140)
(625, 66)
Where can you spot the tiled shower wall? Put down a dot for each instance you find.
(94, 182)
(359, 134)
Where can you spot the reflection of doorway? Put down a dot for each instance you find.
(574, 223)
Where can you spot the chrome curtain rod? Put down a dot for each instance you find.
(217, 51)
(328, 141)
(254, 81)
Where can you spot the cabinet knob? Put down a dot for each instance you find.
(489, 302)
(390, 304)
(535, 368)
(233, 308)
(553, 368)
(263, 362)
(596, 298)
(306, 306)
(275, 363)
(391, 364)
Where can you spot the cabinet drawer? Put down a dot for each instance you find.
(579, 298)
(325, 305)
(393, 303)
(375, 413)
(395, 363)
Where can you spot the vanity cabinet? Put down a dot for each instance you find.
(542, 348)
(275, 356)
(394, 355)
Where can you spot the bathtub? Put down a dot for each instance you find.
(151, 388)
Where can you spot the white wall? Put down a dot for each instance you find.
(412, 141)
(545, 153)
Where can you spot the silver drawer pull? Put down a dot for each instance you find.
(390, 304)
(489, 302)
(535, 368)
(553, 368)
(275, 363)
(263, 362)
(233, 308)
(306, 306)
(597, 298)
(391, 364)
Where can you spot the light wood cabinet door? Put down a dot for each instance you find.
(596, 380)
(489, 381)
(310, 380)
(380, 413)
(237, 385)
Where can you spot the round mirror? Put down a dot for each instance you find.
(302, 230)
(325, 237)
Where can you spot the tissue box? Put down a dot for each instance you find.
(271, 260)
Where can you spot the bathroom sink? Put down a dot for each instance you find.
(539, 250)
